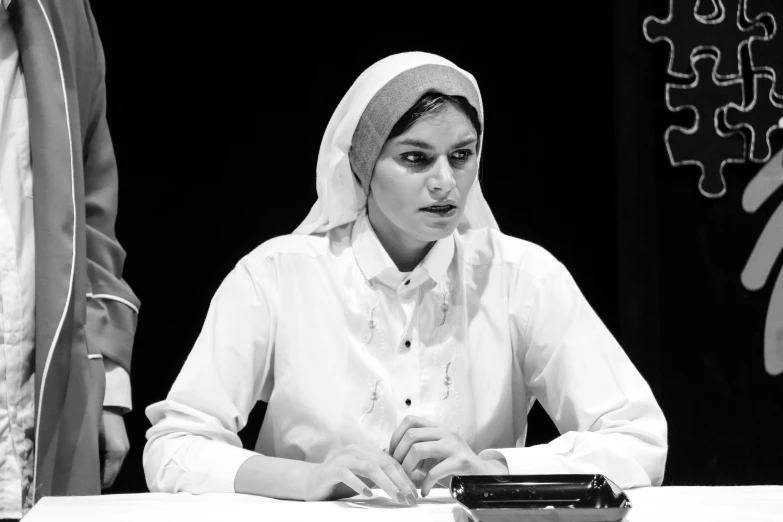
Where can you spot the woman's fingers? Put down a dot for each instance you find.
(394, 471)
(376, 466)
(411, 421)
(405, 477)
(413, 436)
(424, 467)
(450, 466)
(382, 479)
(420, 452)
(347, 477)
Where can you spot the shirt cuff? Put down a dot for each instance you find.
(535, 460)
(118, 387)
(221, 459)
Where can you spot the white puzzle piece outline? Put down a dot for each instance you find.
(693, 129)
(741, 10)
(745, 109)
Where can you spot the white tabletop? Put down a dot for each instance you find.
(669, 504)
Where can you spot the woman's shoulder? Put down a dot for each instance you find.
(488, 246)
(307, 245)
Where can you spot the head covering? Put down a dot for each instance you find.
(367, 113)
(392, 102)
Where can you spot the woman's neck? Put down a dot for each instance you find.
(405, 251)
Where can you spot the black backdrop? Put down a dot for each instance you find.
(217, 123)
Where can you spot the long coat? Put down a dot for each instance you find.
(84, 311)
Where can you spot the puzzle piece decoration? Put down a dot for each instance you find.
(761, 118)
(743, 38)
(707, 96)
(723, 32)
(766, 52)
(708, 10)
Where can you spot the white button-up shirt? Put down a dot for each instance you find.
(342, 345)
(17, 284)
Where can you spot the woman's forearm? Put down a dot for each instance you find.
(273, 477)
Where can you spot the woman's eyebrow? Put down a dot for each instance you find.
(409, 142)
(415, 143)
(462, 143)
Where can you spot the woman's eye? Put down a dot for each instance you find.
(462, 155)
(414, 157)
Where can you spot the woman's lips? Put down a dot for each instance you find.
(444, 211)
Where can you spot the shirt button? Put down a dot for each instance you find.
(407, 402)
(407, 344)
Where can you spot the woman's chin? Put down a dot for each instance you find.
(439, 229)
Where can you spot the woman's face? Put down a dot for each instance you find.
(422, 178)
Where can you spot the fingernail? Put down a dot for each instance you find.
(411, 499)
(423, 493)
(400, 498)
(367, 492)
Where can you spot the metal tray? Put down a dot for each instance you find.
(550, 498)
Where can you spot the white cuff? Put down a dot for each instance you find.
(221, 459)
(118, 386)
(535, 460)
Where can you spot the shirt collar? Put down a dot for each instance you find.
(373, 259)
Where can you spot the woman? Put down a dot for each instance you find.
(398, 337)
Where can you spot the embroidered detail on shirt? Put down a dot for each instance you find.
(372, 324)
(447, 382)
(444, 357)
(374, 396)
(374, 405)
(444, 307)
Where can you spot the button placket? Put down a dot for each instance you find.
(408, 364)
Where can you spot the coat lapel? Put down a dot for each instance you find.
(52, 168)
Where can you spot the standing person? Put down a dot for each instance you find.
(398, 336)
(67, 318)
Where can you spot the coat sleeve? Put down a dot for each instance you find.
(609, 420)
(112, 307)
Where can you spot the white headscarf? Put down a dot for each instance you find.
(340, 197)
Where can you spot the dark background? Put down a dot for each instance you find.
(216, 125)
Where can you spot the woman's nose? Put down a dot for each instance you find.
(442, 178)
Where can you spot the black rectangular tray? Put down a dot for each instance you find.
(562, 498)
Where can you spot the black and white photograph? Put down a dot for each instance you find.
(424, 265)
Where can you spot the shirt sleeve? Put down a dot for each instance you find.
(118, 387)
(609, 421)
(193, 444)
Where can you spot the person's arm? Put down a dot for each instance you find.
(609, 421)
(193, 444)
(112, 307)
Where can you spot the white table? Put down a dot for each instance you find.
(668, 504)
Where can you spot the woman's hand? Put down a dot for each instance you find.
(339, 476)
(416, 440)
